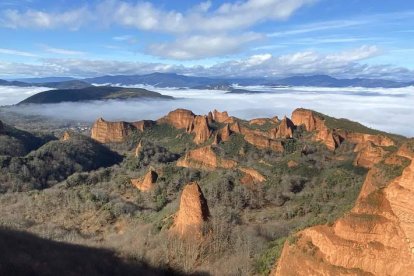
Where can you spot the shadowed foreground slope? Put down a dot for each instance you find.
(27, 254)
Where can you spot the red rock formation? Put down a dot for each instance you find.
(138, 149)
(66, 136)
(143, 125)
(251, 176)
(360, 138)
(292, 164)
(223, 134)
(210, 118)
(204, 158)
(222, 117)
(180, 119)
(235, 127)
(263, 142)
(307, 118)
(115, 132)
(259, 121)
(332, 138)
(147, 183)
(110, 132)
(375, 238)
(368, 154)
(192, 213)
(285, 129)
(201, 129)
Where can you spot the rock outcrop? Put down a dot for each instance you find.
(251, 176)
(332, 138)
(261, 141)
(110, 132)
(368, 154)
(306, 118)
(222, 117)
(192, 213)
(285, 128)
(187, 120)
(138, 149)
(66, 136)
(147, 183)
(223, 135)
(116, 132)
(180, 119)
(201, 129)
(263, 121)
(375, 238)
(204, 158)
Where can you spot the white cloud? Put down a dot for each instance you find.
(12, 94)
(145, 16)
(200, 46)
(319, 26)
(339, 64)
(72, 19)
(61, 51)
(16, 52)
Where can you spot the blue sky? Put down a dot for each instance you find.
(254, 38)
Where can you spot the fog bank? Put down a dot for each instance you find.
(385, 109)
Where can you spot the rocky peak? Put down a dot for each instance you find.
(235, 127)
(368, 154)
(223, 134)
(375, 238)
(222, 117)
(138, 149)
(66, 136)
(306, 118)
(204, 158)
(180, 119)
(110, 132)
(192, 213)
(147, 183)
(201, 129)
(210, 118)
(251, 176)
(285, 129)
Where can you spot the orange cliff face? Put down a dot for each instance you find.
(251, 176)
(368, 154)
(180, 119)
(222, 117)
(222, 135)
(201, 129)
(285, 129)
(375, 238)
(192, 213)
(147, 183)
(187, 120)
(204, 158)
(332, 138)
(115, 132)
(66, 136)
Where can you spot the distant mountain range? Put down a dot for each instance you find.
(181, 81)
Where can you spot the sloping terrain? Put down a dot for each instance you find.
(92, 93)
(220, 195)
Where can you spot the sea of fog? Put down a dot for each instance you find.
(390, 109)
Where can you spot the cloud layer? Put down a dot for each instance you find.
(385, 109)
(219, 30)
(340, 64)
